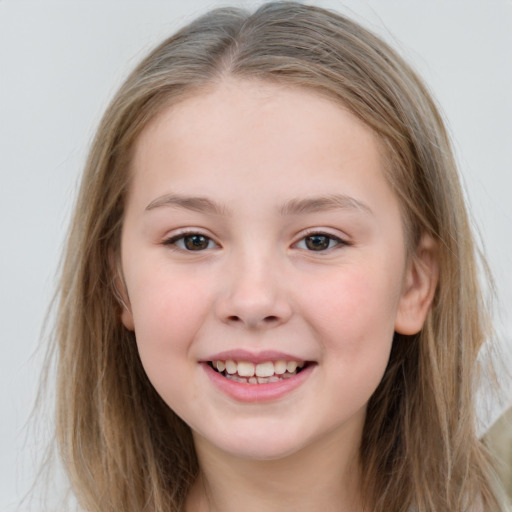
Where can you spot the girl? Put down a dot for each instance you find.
(269, 299)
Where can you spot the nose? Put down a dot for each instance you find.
(254, 295)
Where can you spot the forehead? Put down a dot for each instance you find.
(254, 141)
(239, 118)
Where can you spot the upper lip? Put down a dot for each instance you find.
(253, 357)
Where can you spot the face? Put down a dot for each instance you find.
(264, 266)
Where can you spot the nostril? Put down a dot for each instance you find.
(270, 319)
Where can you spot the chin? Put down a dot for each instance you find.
(255, 444)
(261, 451)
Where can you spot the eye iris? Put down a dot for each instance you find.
(317, 242)
(196, 242)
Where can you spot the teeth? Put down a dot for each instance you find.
(231, 367)
(279, 367)
(245, 371)
(236, 378)
(265, 380)
(264, 369)
(291, 366)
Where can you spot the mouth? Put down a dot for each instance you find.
(246, 372)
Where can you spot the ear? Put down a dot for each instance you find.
(121, 292)
(420, 282)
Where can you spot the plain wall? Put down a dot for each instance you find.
(60, 63)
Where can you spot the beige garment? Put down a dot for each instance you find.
(499, 441)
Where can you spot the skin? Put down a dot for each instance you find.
(256, 150)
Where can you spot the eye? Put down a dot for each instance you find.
(191, 242)
(319, 242)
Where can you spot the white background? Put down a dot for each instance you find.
(60, 62)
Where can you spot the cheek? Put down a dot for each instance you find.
(167, 310)
(355, 310)
(355, 323)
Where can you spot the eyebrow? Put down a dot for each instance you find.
(291, 207)
(196, 204)
(323, 203)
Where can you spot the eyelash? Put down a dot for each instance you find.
(174, 241)
(181, 237)
(331, 238)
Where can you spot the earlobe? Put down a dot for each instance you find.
(121, 293)
(127, 318)
(420, 283)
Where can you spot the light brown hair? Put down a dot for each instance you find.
(123, 448)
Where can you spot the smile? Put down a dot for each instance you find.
(267, 372)
(256, 377)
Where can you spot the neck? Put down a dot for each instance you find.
(323, 476)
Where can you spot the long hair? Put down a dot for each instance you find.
(122, 447)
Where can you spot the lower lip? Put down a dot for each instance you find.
(257, 392)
